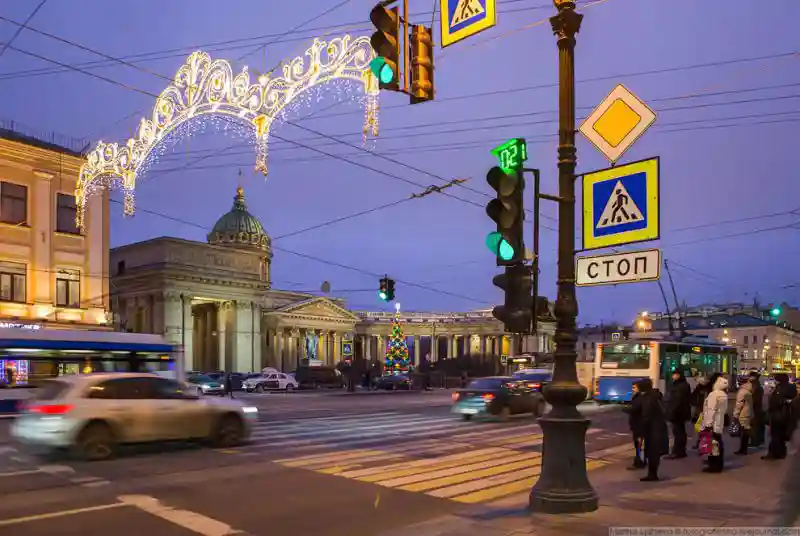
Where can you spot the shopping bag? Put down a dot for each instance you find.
(706, 443)
(698, 425)
(735, 429)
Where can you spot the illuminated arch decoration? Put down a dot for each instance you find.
(209, 89)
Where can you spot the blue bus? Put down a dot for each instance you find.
(619, 364)
(27, 357)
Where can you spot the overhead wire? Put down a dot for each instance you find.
(18, 31)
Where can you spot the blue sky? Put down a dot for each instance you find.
(725, 134)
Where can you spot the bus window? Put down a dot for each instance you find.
(625, 356)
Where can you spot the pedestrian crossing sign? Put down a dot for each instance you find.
(464, 18)
(621, 205)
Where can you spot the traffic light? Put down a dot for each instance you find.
(386, 289)
(515, 313)
(507, 210)
(776, 311)
(386, 43)
(421, 60)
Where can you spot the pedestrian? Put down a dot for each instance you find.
(714, 410)
(759, 421)
(743, 414)
(789, 501)
(228, 386)
(679, 411)
(779, 412)
(635, 423)
(651, 427)
(699, 395)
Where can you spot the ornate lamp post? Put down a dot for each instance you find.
(564, 486)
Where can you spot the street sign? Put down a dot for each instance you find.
(629, 267)
(621, 205)
(617, 123)
(465, 18)
(512, 154)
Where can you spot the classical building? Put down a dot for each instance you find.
(216, 300)
(51, 274)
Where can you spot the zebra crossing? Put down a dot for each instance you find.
(438, 455)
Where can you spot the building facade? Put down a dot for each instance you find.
(215, 299)
(51, 274)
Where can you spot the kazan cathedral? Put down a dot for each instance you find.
(215, 299)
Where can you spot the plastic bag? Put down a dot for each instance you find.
(698, 425)
(706, 443)
(735, 429)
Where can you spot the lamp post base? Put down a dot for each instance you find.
(564, 487)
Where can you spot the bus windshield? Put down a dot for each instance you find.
(625, 356)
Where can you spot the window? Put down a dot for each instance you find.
(65, 214)
(68, 288)
(13, 203)
(167, 389)
(625, 356)
(121, 268)
(12, 281)
(745, 340)
(121, 389)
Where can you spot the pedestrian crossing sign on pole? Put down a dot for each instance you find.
(615, 125)
(464, 18)
(621, 205)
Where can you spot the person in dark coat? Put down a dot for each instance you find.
(634, 423)
(228, 385)
(679, 411)
(651, 427)
(759, 420)
(789, 502)
(779, 413)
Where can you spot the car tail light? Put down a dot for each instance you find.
(51, 409)
(455, 396)
(488, 397)
(534, 385)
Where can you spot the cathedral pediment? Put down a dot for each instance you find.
(319, 308)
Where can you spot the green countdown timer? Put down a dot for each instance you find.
(512, 154)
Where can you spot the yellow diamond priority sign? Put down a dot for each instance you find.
(617, 123)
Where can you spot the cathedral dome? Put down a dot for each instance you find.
(239, 228)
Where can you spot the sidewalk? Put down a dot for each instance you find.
(745, 495)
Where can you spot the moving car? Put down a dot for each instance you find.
(205, 385)
(393, 382)
(536, 378)
(273, 381)
(497, 396)
(91, 415)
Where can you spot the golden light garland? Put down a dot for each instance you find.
(203, 86)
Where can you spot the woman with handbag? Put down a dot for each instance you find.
(714, 411)
(743, 416)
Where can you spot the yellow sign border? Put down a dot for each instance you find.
(651, 167)
(450, 38)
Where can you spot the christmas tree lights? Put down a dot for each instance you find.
(206, 91)
(397, 349)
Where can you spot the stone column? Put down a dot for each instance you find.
(368, 347)
(417, 350)
(381, 349)
(186, 336)
(246, 331)
(222, 339)
(294, 354)
(337, 347)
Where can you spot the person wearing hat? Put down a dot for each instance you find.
(679, 411)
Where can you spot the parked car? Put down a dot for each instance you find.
(497, 396)
(393, 382)
(536, 378)
(91, 415)
(318, 377)
(205, 385)
(273, 381)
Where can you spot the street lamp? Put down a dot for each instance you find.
(563, 486)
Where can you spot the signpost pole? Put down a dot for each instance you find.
(563, 486)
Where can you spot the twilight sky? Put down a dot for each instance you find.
(726, 134)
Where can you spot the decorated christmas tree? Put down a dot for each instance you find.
(397, 350)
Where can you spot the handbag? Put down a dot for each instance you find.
(706, 443)
(735, 429)
(698, 425)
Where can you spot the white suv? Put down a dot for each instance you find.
(271, 381)
(92, 414)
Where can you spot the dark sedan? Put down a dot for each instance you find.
(497, 396)
(535, 378)
(393, 382)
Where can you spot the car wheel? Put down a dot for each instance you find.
(259, 388)
(467, 417)
(228, 433)
(289, 387)
(96, 443)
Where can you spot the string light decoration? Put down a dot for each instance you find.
(207, 92)
(397, 350)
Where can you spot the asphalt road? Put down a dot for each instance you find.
(325, 464)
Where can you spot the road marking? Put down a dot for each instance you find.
(507, 457)
(489, 469)
(420, 466)
(183, 518)
(56, 469)
(62, 513)
(20, 473)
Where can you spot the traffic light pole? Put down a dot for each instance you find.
(535, 261)
(563, 486)
(406, 72)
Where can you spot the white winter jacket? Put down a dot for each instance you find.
(715, 406)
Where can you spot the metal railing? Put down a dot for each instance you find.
(71, 143)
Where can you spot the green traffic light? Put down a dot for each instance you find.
(382, 70)
(382, 295)
(499, 246)
(776, 312)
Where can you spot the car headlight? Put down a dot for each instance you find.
(205, 386)
(249, 409)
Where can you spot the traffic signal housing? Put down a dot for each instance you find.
(386, 289)
(515, 313)
(508, 212)
(386, 44)
(421, 61)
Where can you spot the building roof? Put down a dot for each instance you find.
(715, 321)
(238, 228)
(59, 144)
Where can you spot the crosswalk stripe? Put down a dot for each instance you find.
(410, 468)
(510, 456)
(475, 485)
(490, 469)
(518, 486)
(318, 458)
(334, 418)
(363, 430)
